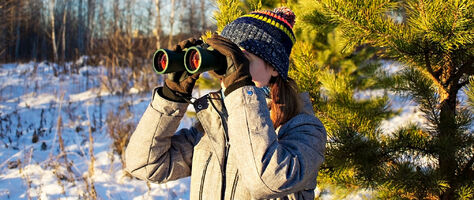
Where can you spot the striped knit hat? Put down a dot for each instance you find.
(267, 34)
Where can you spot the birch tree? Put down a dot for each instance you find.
(170, 41)
(63, 32)
(52, 4)
(90, 23)
(157, 31)
(203, 15)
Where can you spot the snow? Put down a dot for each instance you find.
(31, 102)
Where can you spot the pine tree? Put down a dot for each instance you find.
(334, 76)
(434, 41)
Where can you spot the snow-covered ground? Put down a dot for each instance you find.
(37, 107)
(31, 165)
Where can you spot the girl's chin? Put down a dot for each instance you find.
(259, 84)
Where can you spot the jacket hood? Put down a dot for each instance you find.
(307, 105)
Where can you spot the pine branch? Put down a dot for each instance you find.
(411, 138)
(434, 74)
(454, 23)
(354, 23)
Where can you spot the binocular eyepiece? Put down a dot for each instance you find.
(196, 59)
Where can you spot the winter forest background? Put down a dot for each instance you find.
(392, 81)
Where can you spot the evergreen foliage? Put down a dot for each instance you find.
(434, 39)
(336, 59)
(228, 11)
(335, 80)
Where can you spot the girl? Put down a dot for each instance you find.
(257, 138)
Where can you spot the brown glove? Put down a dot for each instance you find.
(179, 85)
(237, 74)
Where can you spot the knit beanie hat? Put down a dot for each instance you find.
(267, 34)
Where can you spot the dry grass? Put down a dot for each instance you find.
(120, 128)
(24, 175)
(90, 187)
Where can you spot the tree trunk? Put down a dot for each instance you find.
(90, 24)
(63, 35)
(192, 11)
(170, 41)
(157, 31)
(80, 28)
(53, 35)
(18, 27)
(203, 16)
(116, 14)
(448, 139)
(447, 158)
(181, 16)
(101, 19)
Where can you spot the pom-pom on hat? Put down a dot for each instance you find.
(267, 34)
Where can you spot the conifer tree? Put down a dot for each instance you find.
(318, 61)
(434, 41)
(335, 77)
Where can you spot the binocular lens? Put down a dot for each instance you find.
(195, 60)
(166, 61)
(163, 62)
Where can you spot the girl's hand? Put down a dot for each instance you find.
(237, 73)
(179, 85)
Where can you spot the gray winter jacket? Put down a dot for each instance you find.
(239, 155)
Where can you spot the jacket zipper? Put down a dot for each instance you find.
(204, 176)
(226, 147)
(234, 186)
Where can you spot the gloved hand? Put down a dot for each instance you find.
(237, 74)
(179, 85)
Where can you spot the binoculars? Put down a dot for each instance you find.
(195, 59)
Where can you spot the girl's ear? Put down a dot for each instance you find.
(274, 72)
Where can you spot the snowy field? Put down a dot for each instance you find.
(38, 109)
(32, 165)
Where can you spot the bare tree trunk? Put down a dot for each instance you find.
(101, 18)
(18, 26)
(90, 24)
(3, 28)
(116, 19)
(130, 35)
(80, 30)
(128, 25)
(64, 25)
(203, 16)
(116, 34)
(35, 9)
(181, 16)
(157, 31)
(53, 35)
(191, 21)
(170, 41)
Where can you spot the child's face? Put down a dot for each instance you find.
(261, 72)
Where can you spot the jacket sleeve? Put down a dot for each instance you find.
(272, 166)
(155, 152)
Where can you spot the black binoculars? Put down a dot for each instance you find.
(195, 59)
